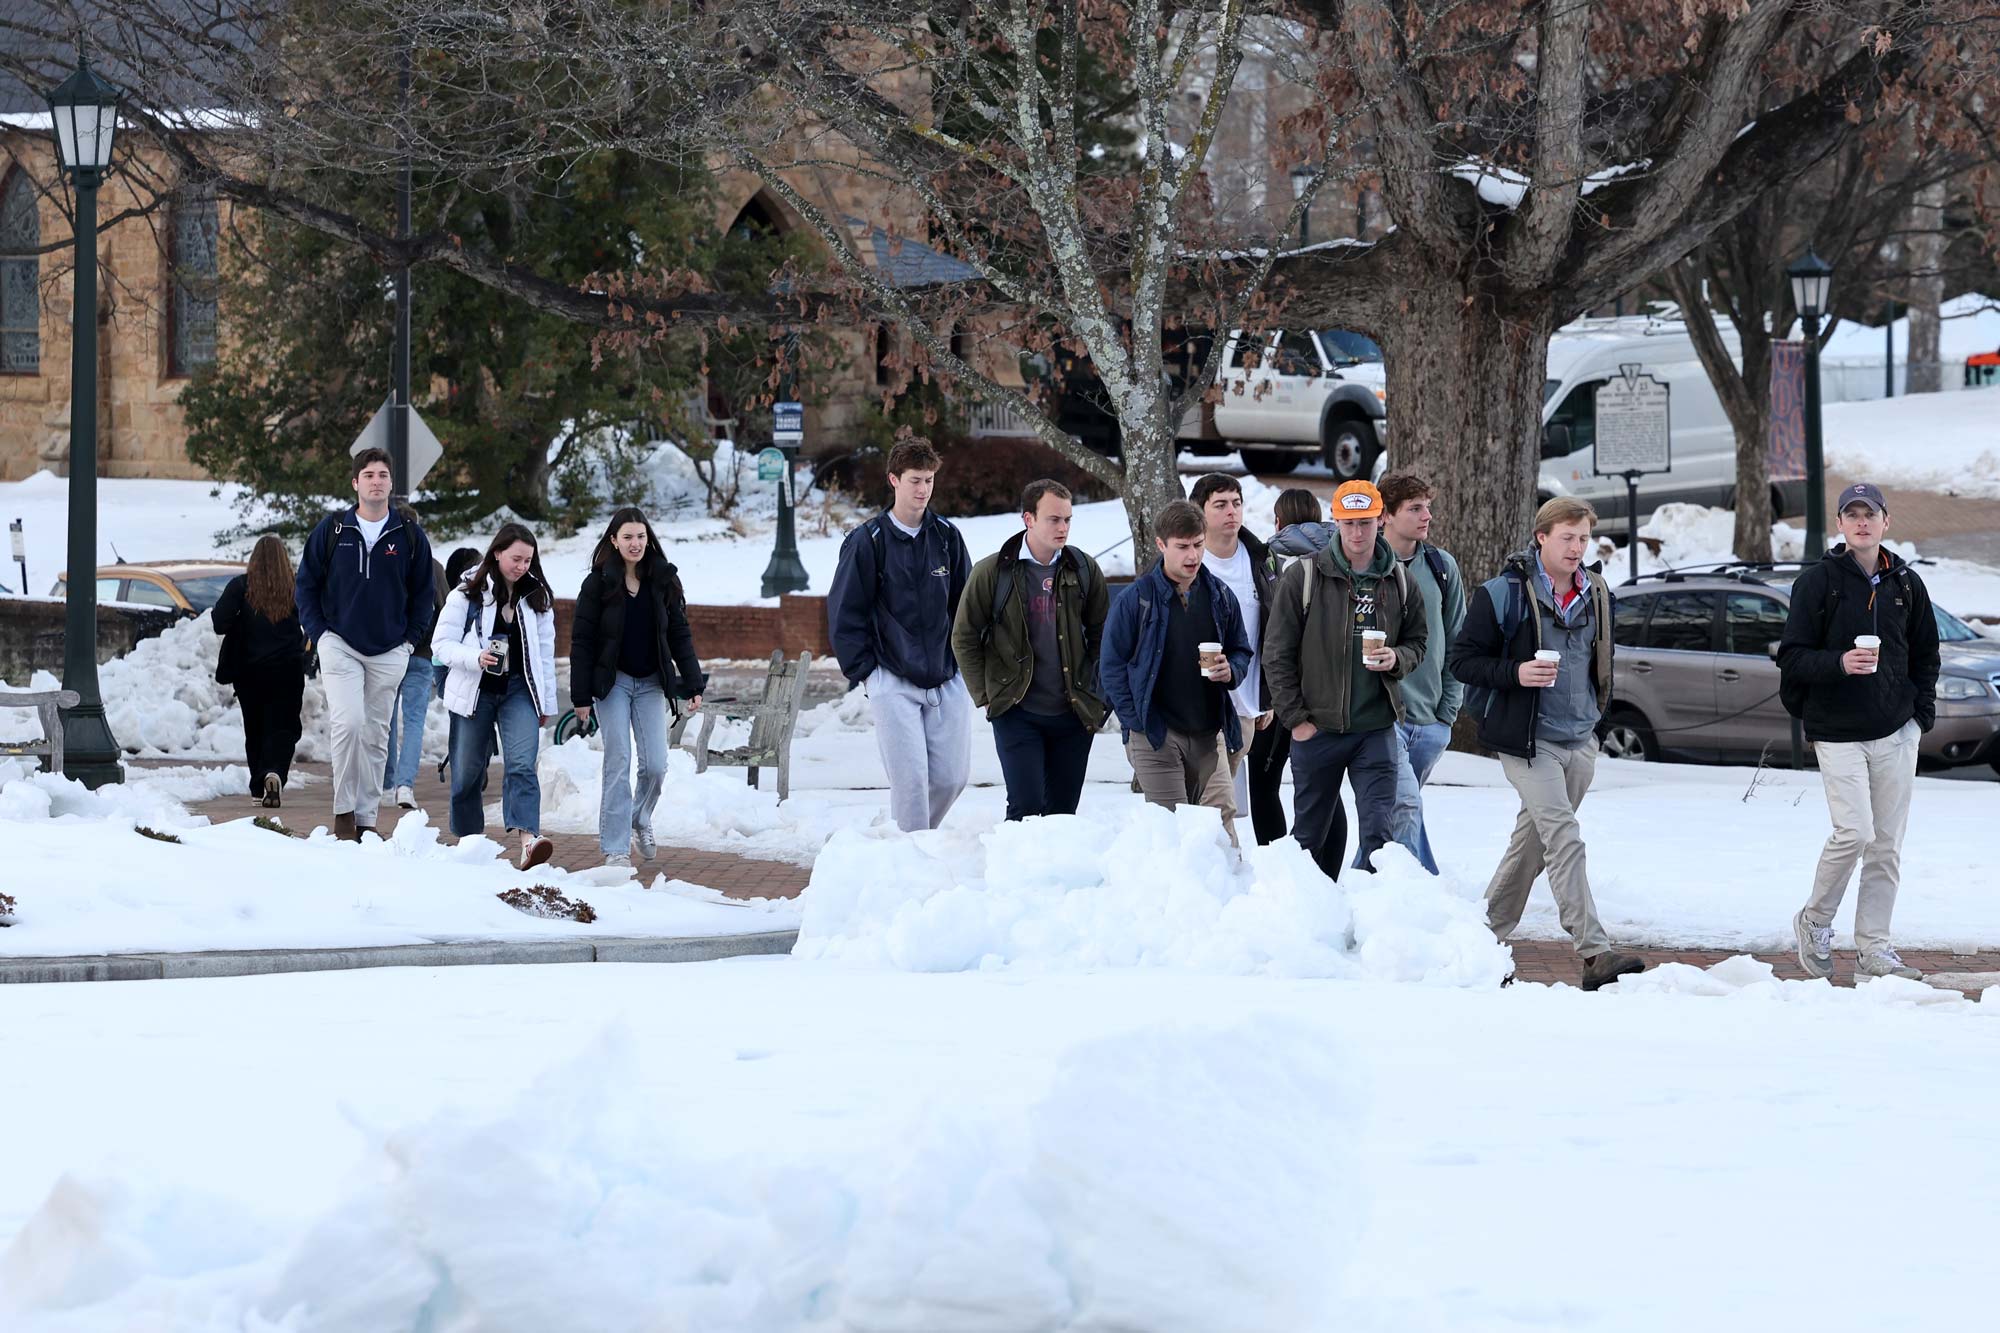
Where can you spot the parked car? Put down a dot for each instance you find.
(189, 587)
(1292, 396)
(1697, 672)
(1585, 355)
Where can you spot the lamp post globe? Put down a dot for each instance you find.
(1812, 283)
(1302, 176)
(83, 110)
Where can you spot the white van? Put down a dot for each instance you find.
(1582, 357)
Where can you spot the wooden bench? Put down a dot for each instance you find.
(772, 719)
(48, 703)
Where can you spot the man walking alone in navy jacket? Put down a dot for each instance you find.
(890, 614)
(365, 597)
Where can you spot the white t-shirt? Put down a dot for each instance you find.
(907, 530)
(371, 529)
(1240, 574)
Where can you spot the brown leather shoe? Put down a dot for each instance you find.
(345, 829)
(1607, 967)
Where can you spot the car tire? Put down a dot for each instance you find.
(1276, 461)
(1624, 734)
(1350, 447)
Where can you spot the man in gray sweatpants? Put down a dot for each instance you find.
(890, 611)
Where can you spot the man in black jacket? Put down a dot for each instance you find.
(1240, 559)
(1541, 714)
(1859, 664)
(889, 612)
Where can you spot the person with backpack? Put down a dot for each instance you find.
(890, 612)
(1026, 638)
(1858, 665)
(497, 637)
(264, 657)
(365, 591)
(631, 649)
(413, 700)
(1346, 627)
(1431, 695)
(1302, 534)
(1238, 557)
(1171, 691)
(1535, 657)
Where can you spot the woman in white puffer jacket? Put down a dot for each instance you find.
(497, 637)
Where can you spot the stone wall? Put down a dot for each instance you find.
(32, 634)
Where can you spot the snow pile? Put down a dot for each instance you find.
(1155, 889)
(1065, 1200)
(1934, 441)
(1744, 977)
(161, 701)
(29, 795)
(716, 809)
(1697, 535)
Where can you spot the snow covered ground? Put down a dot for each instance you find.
(1947, 442)
(767, 1145)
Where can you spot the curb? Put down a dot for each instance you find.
(466, 953)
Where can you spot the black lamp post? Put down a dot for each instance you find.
(1302, 176)
(1811, 278)
(786, 572)
(85, 111)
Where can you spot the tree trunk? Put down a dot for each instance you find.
(1465, 371)
(1752, 539)
(1151, 481)
(1926, 255)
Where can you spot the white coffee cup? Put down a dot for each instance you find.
(1549, 655)
(1871, 642)
(1211, 656)
(1373, 641)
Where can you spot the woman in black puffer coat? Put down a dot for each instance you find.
(630, 650)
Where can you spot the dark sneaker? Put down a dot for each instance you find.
(1815, 946)
(1608, 967)
(274, 792)
(642, 842)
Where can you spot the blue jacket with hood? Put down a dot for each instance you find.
(1135, 636)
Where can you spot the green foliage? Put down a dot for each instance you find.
(309, 337)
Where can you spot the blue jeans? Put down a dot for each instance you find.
(514, 716)
(1419, 746)
(406, 724)
(634, 711)
(1042, 759)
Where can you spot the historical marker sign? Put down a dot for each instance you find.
(1634, 433)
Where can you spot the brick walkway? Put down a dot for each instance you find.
(1554, 960)
(735, 876)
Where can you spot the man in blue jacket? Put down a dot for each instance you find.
(365, 598)
(889, 613)
(1172, 700)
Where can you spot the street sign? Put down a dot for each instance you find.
(1633, 433)
(771, 464)
(425, 450)
(20, 542)
(788, 423)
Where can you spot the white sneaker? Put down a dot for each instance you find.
(1885, 962)
(1815, 946)
(642, 840)
(621, 861)
(406, 797)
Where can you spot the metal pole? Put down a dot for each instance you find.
(786, 572)
(1305, 226)
(90, 755)
(1889, 353)
(399, 357)
(1815, 463)
(1632, 520)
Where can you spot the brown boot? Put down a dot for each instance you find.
(1607, 967)
(345, 829)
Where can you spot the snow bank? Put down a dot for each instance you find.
(1747, 978)
(1696, 535)
(1067, 1203)
(162, 702)
(1154, 888)
(1934, 441)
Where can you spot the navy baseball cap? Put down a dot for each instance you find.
(1866, 493)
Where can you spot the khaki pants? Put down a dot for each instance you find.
(1179, 772)
(361, 694)
(1868, 785)
(1547, 834)
(1227, 788)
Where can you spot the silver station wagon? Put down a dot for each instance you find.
(1697, 675)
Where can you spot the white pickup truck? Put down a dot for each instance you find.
(1299, 395)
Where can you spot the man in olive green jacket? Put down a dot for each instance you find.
(1346, 626)
(1026, 639)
